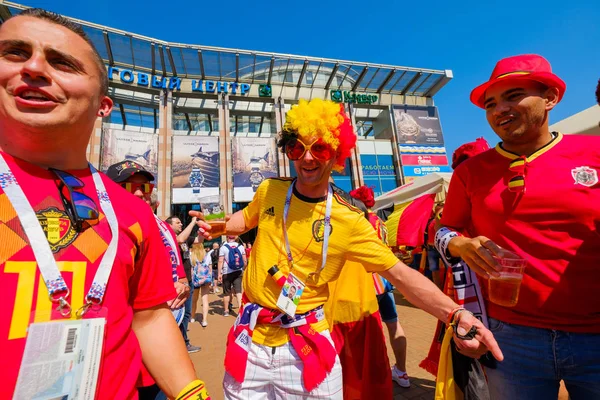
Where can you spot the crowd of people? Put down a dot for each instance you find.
(100, 292)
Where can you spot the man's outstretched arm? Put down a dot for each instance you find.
(423, 293)
(163, 350)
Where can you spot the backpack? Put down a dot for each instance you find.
(235, 260)
(201, 274)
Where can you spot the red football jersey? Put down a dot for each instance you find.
(140, 278)
(553, 224)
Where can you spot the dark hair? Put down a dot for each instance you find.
(75, 28)
(285, 137)
(170, 219)
(598, 92)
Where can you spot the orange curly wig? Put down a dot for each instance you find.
(324, 119)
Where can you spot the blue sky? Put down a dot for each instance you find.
(467, 38)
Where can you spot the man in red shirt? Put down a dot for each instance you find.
(66, 252)
(535, 194)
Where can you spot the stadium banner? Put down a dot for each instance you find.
(417, 125)
(254, 160)
(121, 145)
(422, 171)
(421, 149)
(424, 159)
(195, 168)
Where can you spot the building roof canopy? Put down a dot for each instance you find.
(144, 54)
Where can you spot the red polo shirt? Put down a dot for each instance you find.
(553, 224)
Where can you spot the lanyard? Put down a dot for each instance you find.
(327, 228)
(41, 250)
(168, 240)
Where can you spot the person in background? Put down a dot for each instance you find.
(185, 240)
(433, 256)
(232, 260)
(53, 89)
(214, 262)
(503, 200)
(136, 180)
(202, 277)
(248, 250)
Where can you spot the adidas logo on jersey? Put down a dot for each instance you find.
(270, 211)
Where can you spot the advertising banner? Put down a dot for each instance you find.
(254, 160)
(417, 125)
(195, 168)
(120, 145)
(424, 159)
(420, 149)
(422, 171)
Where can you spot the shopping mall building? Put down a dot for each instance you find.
(205, 119)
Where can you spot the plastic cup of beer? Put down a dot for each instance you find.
(504, 289)
(214, 214)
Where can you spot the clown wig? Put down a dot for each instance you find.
(321, 119)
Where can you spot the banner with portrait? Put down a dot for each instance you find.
(195, 168)
(417, 125)
(120, 145)
(254, 160)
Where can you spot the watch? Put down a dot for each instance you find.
(196, 180)
(256, 179)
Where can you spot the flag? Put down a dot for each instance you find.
(357, 332)
(407, 223)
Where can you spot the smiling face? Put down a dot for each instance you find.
(49, 79)
(517, 110)
(313, 174)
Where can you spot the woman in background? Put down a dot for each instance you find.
(202, 279)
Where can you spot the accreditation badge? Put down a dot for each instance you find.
(289, 298)
(62, 358)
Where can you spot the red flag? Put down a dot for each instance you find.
(407, 223)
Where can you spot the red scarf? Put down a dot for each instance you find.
(315, 350)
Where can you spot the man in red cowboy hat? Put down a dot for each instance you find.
(535, 194)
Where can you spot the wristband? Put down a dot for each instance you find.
(452, 314)
(442, 239)
(194, 390)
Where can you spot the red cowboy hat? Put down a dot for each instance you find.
(523, 67)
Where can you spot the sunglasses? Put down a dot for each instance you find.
(516, 184)
(80, 208)
(145, 188)
(295, 150)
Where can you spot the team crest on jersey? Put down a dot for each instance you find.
(585, 176)
(57, 227)
(318, 230)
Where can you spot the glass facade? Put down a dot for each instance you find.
(377, 163)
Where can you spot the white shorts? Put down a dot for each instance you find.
(276, 373)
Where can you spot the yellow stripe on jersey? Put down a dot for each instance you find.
(533, 156)
(516, 182)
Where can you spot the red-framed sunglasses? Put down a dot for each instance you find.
(80, 208)
(131, 187)
(295, 150)
(516, 184)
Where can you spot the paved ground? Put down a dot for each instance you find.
(418, 325)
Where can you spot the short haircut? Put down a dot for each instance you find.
(171, 218)
(75, 28)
